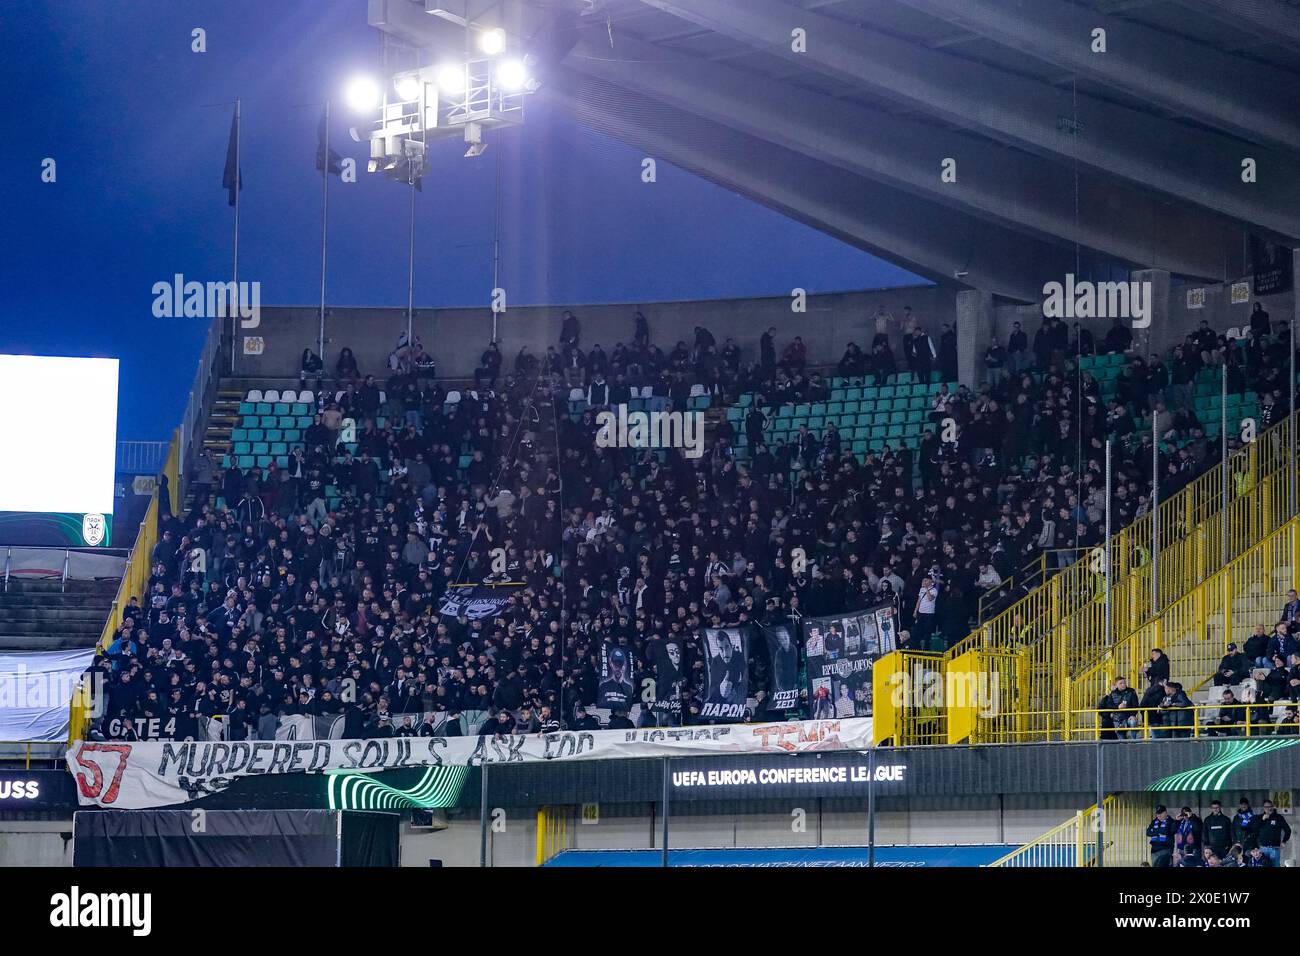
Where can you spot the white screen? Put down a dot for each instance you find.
(58, 434)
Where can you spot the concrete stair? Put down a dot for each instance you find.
(42, 616)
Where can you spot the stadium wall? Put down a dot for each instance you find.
(1013, 819)
(457, 337)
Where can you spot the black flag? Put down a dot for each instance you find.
(335, 160)
(231, 180)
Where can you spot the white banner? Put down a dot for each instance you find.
(142, 775)
(36, 688)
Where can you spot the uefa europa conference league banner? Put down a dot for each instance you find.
(144, 775)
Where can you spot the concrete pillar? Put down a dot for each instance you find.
(1160, 335)
(974, 331)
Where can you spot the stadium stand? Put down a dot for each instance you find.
(318, 551)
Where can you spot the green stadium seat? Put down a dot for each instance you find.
(264, 408)
(281, 408)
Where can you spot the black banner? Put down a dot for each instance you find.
(670, 675)
(1271, 265)
(476, 601)
(219, 838)
(615, 690)
(841, 650)
(783, 667)
(726, 656)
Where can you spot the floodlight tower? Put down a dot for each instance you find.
(461, 96)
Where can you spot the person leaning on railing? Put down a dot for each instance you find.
(1175, 712)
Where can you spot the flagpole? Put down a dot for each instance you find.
(234, 318)
(410, 271)
(324, 230)
(496, 242)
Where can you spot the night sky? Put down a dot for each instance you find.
(138, 126)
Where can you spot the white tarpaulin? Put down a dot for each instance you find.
(35, 691)
(142, 775)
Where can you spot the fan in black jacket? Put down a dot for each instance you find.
(1216, 829)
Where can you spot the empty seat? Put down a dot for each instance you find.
(453, 398)
(271, 395)
(254, 395)
(308, 397)
(289, 396)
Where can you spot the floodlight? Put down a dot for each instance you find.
(512, 75)
(451, 79)
(408, 87)
(362, 94)
(492, 42)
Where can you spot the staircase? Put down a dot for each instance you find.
(223, 417)
(43, 616)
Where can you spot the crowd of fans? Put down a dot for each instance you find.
(268, 598)
(1256, 680)
(1247, 838)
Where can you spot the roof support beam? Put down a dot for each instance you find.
(1195, 166)
(1010, 187)
(1276, 20)
(1221, 91)
(924, 237)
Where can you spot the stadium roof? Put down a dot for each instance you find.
(1067, 159)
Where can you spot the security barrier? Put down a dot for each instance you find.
(1251, 719)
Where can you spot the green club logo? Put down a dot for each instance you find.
(437, 787)
(1226, 757)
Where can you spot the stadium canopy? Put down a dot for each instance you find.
(1095, 137)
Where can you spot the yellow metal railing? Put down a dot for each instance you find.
(138, 562)
(135, 580)
(1122, 824)
(1194, 631)
(1059, 628)
(1208, 720)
